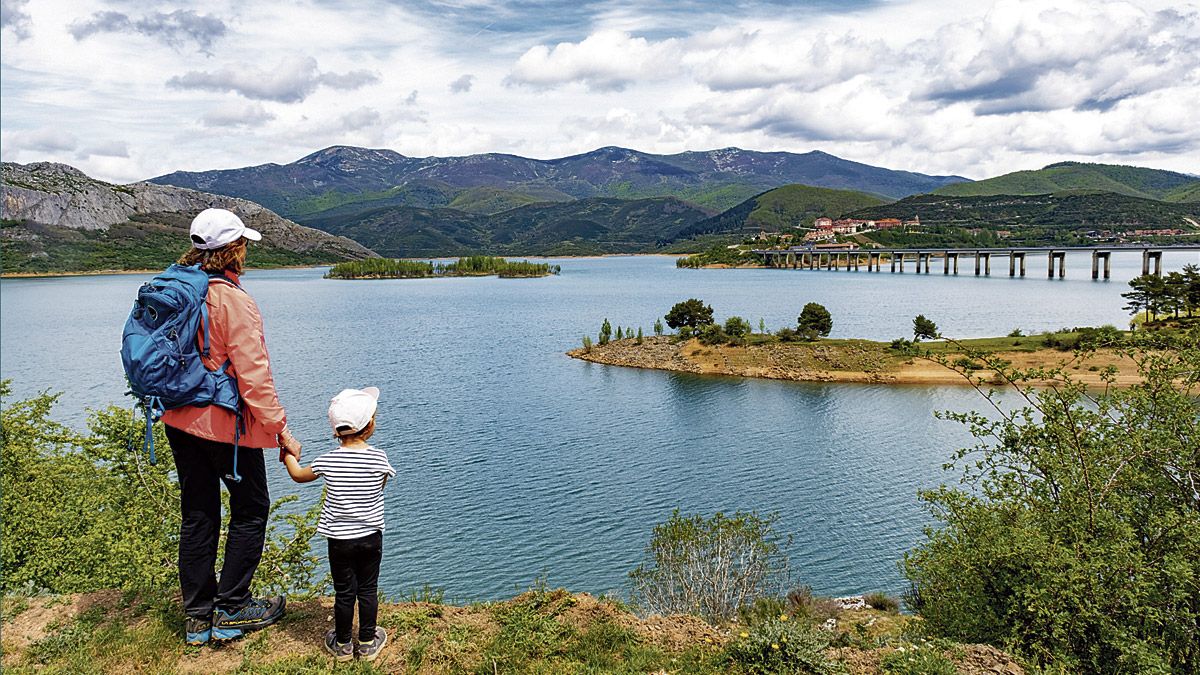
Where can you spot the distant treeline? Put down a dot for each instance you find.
(472, 266)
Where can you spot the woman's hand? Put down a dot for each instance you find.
(288, 445)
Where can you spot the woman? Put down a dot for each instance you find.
(202, 442)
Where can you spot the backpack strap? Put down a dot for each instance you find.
(240, 424)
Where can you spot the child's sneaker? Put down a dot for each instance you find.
(342, 651)
(198, 630)
(370, 650)
(254, 615)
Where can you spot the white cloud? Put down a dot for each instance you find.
(605, 61)
(173, 29)
(938, 86)
(237, 114)
(463, 84)
(106, 149)
(291, 81)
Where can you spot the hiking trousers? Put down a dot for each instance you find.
(354, 566)
(202, 466)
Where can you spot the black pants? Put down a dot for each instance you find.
(354, 564)
(202, 466)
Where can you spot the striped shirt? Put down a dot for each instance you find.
(354, 480)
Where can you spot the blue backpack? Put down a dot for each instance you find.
(161, 357)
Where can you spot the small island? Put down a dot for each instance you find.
(472, 266)
(1094, 357)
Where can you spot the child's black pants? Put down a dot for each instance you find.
(354, 565)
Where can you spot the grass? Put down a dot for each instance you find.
(538, 631)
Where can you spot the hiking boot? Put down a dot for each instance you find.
(370, 650)
(198, 630)
(342, 651)
(256, 614)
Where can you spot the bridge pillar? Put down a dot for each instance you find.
(901, 263)
(1062, 264)
(976, 263)
(1050, 265)
(1012, 264)
(1107, 264)
(1095, 264)
(987, 264)
(928, 259)
(956, 263)
(1061, 256)
(946, 262)
(1022, 263)
(1157, 255)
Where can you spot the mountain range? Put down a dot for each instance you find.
(56, 218)
(341, 176)
(1133, 181)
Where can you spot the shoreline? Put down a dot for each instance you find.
(848, 362)
(104, 273)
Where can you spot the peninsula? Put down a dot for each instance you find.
(863, 361)
(473, 266)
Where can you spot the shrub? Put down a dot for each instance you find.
(804, 603)
(882, 602)
(658, 327)
(1075, 537)
(967, 363)
(737, 327)
(587, 344)
(788, 335)
(1016, 332)
(605, 332)
(781, 645)
(1096, 338)
(710, 567)
(639, 336)
(711, 335)
(84, 512)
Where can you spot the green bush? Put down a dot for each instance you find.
(1075, 538)
(711, 335)
(87, 511)
(710, 567)
(917, 659)
(814, 321)
(882, 602)
(781, 645)
(737, 327)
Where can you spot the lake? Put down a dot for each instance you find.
(516, 462)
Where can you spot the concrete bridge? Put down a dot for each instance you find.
(803, 257)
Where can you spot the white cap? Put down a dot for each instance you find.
(352, 409)
(214, 228)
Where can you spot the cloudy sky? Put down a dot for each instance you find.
(128, 89)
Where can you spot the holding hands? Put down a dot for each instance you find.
(288, 445)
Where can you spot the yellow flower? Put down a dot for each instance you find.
(783, 617)
(783, 640)
(708, 640)
(745, 634)
(774, 645)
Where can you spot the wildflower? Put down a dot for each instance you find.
(774, 645)
(745, 634)
(783, 617)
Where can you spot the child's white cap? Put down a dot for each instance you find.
(352, 409)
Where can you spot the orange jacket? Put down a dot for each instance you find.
(236, 334)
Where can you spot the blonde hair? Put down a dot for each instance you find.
(360, 435)
(231, 257)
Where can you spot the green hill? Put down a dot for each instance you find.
(1068, 209)
(1133, 181)
(785, 207)
(581, 227)
(488, 201)
(1189, 192)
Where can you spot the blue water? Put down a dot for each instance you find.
(516, 461)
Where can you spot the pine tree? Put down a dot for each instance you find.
(639, 335)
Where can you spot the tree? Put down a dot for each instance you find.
(924, 328)
(605, 332)
(1191, 301)
(1076, 520)
(710, 566)
(689, 315)
(815, 321)
(639, 335)
(658, 327)
(762, 326)
(1148, 294)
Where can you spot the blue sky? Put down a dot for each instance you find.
(126, 90)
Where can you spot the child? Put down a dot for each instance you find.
(352, 520)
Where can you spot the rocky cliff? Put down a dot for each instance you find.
(54, 196)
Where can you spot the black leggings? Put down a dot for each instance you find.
(202, 465)
(354, 564)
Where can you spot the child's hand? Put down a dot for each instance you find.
(288, 445)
